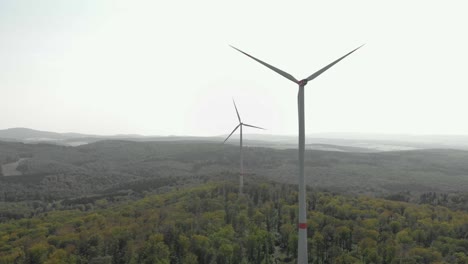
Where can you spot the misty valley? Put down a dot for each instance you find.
(119, 201)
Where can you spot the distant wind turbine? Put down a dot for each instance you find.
(241, 183)
(302, 225)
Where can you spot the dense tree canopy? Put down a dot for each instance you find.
(174, 202)
(212, 224)
(55, 172)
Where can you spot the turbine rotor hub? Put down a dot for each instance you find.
(303, 82)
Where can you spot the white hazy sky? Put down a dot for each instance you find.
(165, 67)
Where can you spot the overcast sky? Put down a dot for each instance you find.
(165, 67)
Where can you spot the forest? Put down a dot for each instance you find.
(178, 202)
(212, 223)
(56, 172)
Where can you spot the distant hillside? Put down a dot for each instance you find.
(59, 171)
(346, 142)
(26, 133)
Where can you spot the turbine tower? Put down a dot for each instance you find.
(302, 225)
(241, 178)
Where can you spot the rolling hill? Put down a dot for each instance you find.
(53, 171)
(347, 142)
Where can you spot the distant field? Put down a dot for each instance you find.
(10, 169)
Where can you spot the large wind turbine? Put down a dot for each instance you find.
(241, 183)
(302, 225)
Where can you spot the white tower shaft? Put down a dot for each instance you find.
(302, 223)
(241, 178)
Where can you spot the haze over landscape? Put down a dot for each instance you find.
(166, 69)
(113, 115)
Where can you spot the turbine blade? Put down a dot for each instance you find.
(232, 133)
(254, 126)
(280, 72)
(237, 112)
(315, 75)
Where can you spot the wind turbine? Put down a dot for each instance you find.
(302, 225)
(240, 125)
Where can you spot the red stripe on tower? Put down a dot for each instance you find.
(302, 225)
